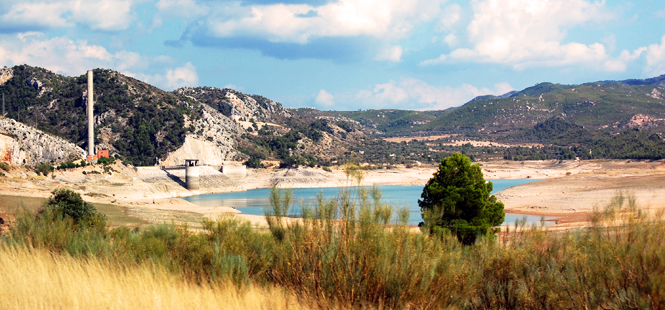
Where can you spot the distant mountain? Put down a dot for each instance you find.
(593, 105)
(148, 126)
(658, 81)
(485, 97)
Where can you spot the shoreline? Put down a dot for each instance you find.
(149, 190)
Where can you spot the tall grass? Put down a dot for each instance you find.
(353, 251)
(37, 279)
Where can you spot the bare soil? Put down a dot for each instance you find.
(569, 190)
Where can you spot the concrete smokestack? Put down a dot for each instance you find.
(91, 125)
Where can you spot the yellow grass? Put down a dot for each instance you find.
(36, 279)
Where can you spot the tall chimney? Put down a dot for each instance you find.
(91, 129)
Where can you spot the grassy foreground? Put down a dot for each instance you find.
(341, 255)
(37, 279)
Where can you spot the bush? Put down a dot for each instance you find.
(67, 165)
(341, 255)
(44, 168)
(5, 166)
(106, 161)
(65, 203)
(254, 162)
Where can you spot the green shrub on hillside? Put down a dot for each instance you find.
(44, 168)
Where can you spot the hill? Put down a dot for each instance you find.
(148, 126)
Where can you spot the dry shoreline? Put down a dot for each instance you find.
(569, 190)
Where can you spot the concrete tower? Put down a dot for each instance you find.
(192, 174)
(91, 125)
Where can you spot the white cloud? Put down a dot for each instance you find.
(324, 98)
(451, 39)
(109, 15)
(187, 9)
(656, 58)
(660, 14)
(530, 33)
(417, 94)
(298, 23)
(182, 76)
(68, 57)
(172, 79)
(391, 53)
(450, 17)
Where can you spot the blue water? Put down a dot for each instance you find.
(255, 201)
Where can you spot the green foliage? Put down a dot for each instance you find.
(44, 168)
(65, 203)
(5, 166)
(341, 255)
(106, 161)
(67, 165)
(149, 121)
(254, 162)
(458, 198)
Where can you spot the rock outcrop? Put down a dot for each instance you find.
(23, 145)
(236, 105)
(5, 75)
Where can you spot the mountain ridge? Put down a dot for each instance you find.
(146, 125)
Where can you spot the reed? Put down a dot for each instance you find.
(352, 251)
(38, 279)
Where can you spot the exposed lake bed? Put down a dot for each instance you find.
(568, 192)
(255, 202)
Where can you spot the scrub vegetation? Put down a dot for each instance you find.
(351, 251)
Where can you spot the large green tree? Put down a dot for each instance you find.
(457, 198)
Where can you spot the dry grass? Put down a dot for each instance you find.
(36, 279)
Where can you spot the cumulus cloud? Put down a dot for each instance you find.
(450, 17)
(181, 8)
(324, 98)
(69, 57)
(530, 33)
(417, 94)
(108, 15)
(390, 53)
(299, 23)
(655, 55)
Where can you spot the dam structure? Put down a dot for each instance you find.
(192, 174)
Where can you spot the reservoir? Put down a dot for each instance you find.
(255, 201)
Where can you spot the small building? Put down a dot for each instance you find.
(100, 154)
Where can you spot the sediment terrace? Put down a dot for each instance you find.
(151, 194)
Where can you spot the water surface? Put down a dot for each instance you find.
(255, 201)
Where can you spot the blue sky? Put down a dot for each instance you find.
(342, 54)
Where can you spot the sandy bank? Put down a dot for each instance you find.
(569, 189)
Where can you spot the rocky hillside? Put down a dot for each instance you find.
(138, 121)
(148, 126)
(24, 145)
(236, 105)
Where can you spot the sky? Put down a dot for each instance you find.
(342, 54)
